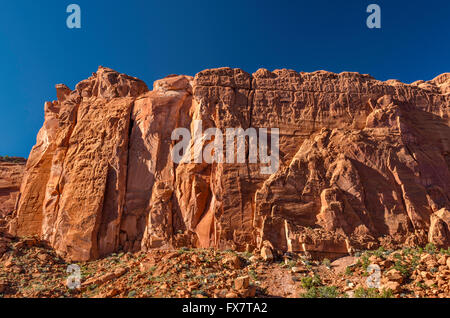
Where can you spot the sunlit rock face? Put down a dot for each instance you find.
(11, 173)
(362, 163)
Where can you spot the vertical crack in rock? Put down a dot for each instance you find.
(120, 239)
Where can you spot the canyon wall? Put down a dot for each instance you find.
(11, 173)
(362, 163)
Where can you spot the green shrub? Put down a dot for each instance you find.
(364, 261)
(314, 288)
(445, 252)
(430, 248)
(380, 252)
(372, 293)
(310, 282)
(322, 292)
(348, 271)
(253, 274)
(289, 264)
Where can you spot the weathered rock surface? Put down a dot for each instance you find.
(149, 209)
(11, 173)
(361, 162)
(439, 233)
(74, 188)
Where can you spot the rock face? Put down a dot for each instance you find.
(11, 173)
(149, 209)
(73, 191)
(362, 162)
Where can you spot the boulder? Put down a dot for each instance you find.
(242, 283)
(439, 233)
(266, 254)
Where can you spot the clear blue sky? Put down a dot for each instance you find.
(151, 39)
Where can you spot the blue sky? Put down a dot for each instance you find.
(151, 39)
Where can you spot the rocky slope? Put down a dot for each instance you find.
(363, 163)
(29, 268)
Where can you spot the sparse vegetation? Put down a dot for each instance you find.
(349, 271)
(30, 269)
(12, 159)
(372, 293)
(315, 289)
(430, 248)
(322, 292)
(326, 262)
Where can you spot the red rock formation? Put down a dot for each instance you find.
(74, 188)
(147, 218)
(361, 161)
(11, 173)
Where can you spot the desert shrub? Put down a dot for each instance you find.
(322, 292)
(430, 248)
(348, 271)
(310, 282)
(372, 293)
(445, 251)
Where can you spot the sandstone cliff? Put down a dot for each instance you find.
(11, 173)
(362, 163)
